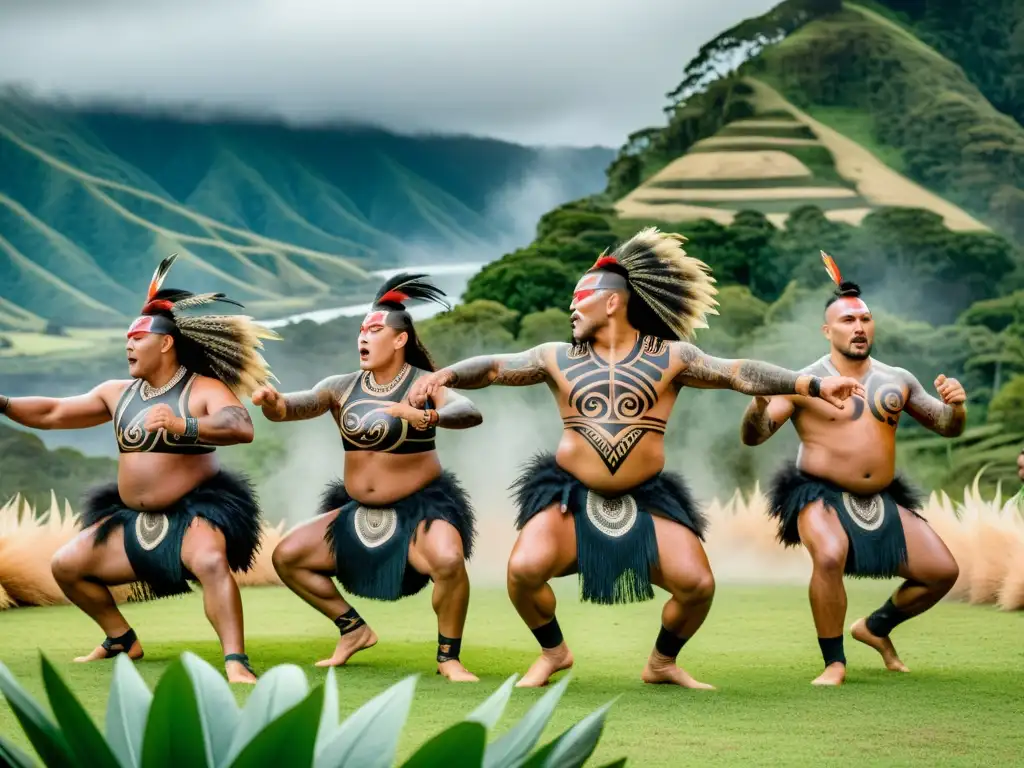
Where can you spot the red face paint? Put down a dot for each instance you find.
(142, 325)
(586, 287)
(372, 320)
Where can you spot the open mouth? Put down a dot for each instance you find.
(131, 361)
(363, 353)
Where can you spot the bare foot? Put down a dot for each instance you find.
(457, 673)
(883, 645)
(100, 653)
(551, 660)
(237, 673)
(661, 670)
(834, 674)
(350, 644)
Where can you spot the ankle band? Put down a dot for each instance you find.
(349, 621)
(448, 648)
(885, 619)
(668, 644)
(832, 650)
(548, 635)
(124, 643)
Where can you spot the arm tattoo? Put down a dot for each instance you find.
(516, 370)
(458, 412)
(932, 413)
(317, 401)
(225, 426)
(757, 425)
(751, 377)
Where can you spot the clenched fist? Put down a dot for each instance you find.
(426, 386)
(836, 389)
(162, 417)
(950, 390)
(270, 400)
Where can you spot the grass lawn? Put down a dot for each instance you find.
(962, 703)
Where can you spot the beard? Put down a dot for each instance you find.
(852, 354)
(581, 334)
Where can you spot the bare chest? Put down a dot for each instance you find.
(885, 398)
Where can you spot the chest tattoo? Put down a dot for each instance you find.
(884, 396)
(611, 401)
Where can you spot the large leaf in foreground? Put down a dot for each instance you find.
(461, 746)
(369, 736)
(42, 732)
(277, 691)
(81, 734)
(289, 740)
(218, 710)
(516, 744)
(575, 745)
(10, 755)
(174, 732)
(127, 710)
(489, 713)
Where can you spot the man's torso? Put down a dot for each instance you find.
(134, 404)
(364, 427)
(614, 414)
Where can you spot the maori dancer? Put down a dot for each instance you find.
(398, 520)
(602, 505)
(173, 515)
(842, 497)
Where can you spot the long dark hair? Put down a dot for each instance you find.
(392, 297)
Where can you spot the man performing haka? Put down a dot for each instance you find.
(631, 523)
(398, 520)
(173, 515)
(842, 497)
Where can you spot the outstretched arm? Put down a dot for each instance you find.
(763, 418)
(946, 417)
(455, 411)
(78, 412)
(751, 377)
(308, 404)
(519, 369)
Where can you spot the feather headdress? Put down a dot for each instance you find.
(225, 347)
(843, 287)
(389, 309)
(676, 292)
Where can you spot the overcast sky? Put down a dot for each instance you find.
(555, 72)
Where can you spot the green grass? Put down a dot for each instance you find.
(959, 706)
(858, 125)
(795, 131)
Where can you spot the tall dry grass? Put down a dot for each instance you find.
(986, 536)
(28, 540)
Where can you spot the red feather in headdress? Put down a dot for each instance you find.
(831, 268)
(604, 261)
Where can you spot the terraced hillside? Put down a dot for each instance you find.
(282, 219)
(775, 162)
(840, 106)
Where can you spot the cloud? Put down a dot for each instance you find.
(569, 73)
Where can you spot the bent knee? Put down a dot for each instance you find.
(829, 558)
(527, 569)
(946, 579)
(210, 565)
(68, 564)
(699, 587)
(447, 563)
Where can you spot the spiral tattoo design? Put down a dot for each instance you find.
(612, 400)
(368, 430)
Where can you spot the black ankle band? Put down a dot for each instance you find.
(832, 650)
(448, 648)
(242, 659)
(349, 621)
(668, 644)
(124, 643)
(549, 635)
(885, 619)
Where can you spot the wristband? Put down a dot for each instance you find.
(814, 388)
(433, 417)
(191, 428)
(4, 402)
